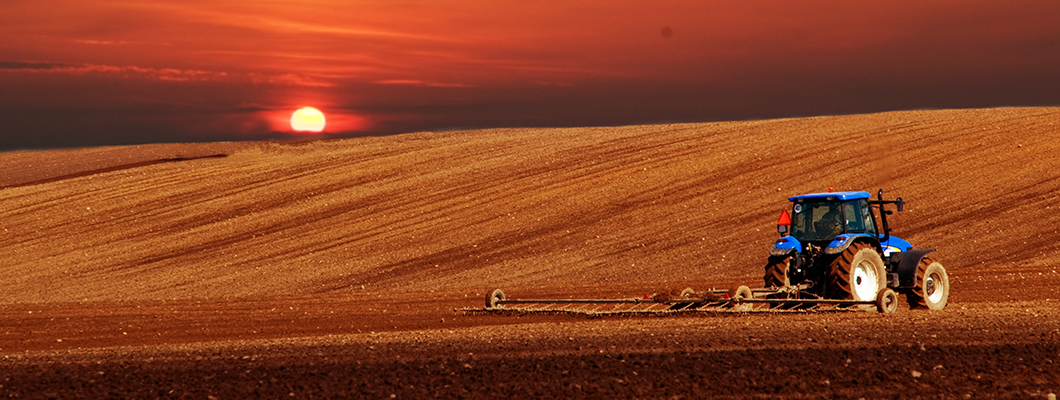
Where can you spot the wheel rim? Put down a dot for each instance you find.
(864, 282)
(932, 289)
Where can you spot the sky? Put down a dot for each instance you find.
(77, 73)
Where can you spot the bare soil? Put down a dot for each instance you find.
(339, 268)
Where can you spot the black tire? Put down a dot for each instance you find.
(857, 274)
(778, 275)
(777, 272)
(932, 290)
(492, 299)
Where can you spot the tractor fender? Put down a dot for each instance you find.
(908, 264)
(786, 245)
(841, 242)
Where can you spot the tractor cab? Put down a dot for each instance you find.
(832, 245)
(822, 217)
(831, 221)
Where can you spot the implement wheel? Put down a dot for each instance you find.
(857, 274)
(737, 295)
(932, 289)
(493, 299)
(887, 301)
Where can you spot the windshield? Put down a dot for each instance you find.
(823, 221)
(813, 221)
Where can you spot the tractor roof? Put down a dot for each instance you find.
(832, 196)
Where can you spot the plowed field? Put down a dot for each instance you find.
(337, 268)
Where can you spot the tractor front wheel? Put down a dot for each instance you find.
(932, 289)
(857, 274)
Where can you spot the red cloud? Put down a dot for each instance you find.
(162, 74)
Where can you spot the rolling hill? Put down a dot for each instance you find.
(600, 210)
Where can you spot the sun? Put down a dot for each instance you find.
(307, 119)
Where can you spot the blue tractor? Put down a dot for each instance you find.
(833, 248)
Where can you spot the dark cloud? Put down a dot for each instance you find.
(33, 66)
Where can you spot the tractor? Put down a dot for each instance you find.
(832, 247)
(833, 254)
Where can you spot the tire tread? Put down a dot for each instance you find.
(839, 286)
(916, 297)
(777, 272)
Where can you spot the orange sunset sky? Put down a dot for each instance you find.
(85, 72)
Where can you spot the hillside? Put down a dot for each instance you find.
(600, 210)
(341, 268)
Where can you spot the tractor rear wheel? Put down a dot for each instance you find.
(857, 274)
(932, 289)
(777, 275)
(777, 272)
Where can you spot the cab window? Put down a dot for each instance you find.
(866, 217)
(858, 217)
(816, 221)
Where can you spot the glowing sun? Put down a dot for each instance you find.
(307, 119)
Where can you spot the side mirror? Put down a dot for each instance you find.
(900, 203)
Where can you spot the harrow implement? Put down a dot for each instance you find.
(738, 300)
